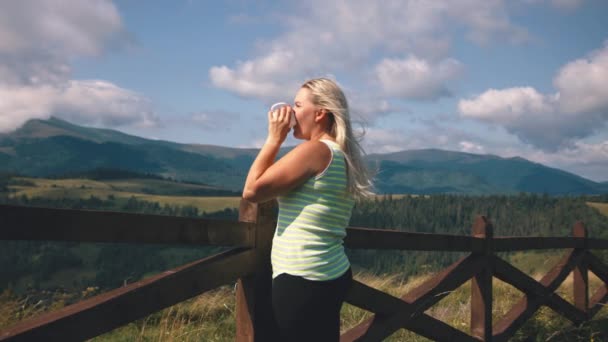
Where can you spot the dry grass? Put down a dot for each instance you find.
(85, 188)
(601, 207)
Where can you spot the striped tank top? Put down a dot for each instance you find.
(308, 241)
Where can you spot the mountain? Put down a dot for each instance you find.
(56, 147)
(434, 171)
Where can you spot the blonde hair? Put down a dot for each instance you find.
(326, 94)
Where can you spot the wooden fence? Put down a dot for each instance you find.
(248, 262)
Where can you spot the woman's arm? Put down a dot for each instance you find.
(267, 179)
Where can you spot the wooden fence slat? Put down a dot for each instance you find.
(580, 274)
(445, 281)
(527, 306)
(115, 308)
(529, 286)
(598, 301)
(593, 243)
(508, 244)
(366, 238)
(385, 305)
(481, 283)
(32, 223)
(254, 316)
(600, 297)
(420, 299)
(597, 266)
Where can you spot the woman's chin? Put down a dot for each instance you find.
(296, 134)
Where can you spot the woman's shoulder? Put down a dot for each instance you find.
(313, 153)
(313, 145)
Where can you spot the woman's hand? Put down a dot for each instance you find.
(278, 125)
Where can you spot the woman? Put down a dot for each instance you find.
(316, 184)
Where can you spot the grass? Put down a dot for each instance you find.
(122, 190)
(211, 316)
(601, 207)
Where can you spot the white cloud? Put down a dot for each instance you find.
(38, 41)
(471, 147)
(582, 85)
(38, 38)
(578, 109)
(83, 102)
(415, 78)
(348, 36)
(505, 105)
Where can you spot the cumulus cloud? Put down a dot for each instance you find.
(38, 41)
(578, 109)
(582, 85)
(85, 102)
(348, 36)
(416, 78)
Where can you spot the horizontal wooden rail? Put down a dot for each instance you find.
(32, 223)
(593, 243)
(506, 244)
(367, 238)
(115, 308)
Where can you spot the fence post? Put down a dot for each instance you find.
(254, 318)
(481, 283)
(580, 274)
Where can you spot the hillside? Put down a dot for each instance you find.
(44, 148)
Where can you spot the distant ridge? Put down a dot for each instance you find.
(54, 147)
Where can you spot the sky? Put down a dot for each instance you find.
(524, 78)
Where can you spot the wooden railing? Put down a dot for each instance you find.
(248, 262)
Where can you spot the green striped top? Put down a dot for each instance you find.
(308, 241)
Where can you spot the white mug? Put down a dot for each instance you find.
(292, 121)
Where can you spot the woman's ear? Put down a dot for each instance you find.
(320, 114)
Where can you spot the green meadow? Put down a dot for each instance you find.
(165, 192)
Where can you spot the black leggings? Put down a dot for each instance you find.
(308, 310)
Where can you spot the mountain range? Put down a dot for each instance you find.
(55, 147)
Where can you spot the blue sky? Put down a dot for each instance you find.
(522, 78)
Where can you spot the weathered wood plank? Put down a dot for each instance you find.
(366, 238)
(507, 244)
(385, 305)
(254, 316)
(580, 283)
(481, 283)
(115, 308)
(32, 223)
(511, 275)
(593, 243)
(527, 306)
(600, 297)
(421, 298)
(597, 266)
(598, 301)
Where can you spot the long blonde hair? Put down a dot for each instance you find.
(326, 94)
